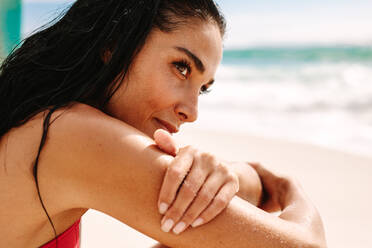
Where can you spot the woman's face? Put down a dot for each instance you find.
(166, 78)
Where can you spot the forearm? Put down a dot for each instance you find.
(250, 187)
(298, 209)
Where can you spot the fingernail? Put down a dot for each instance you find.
(197, 222)
(163, 207)
(179, 227)
(167, 225)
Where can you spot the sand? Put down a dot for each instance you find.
(338, 183)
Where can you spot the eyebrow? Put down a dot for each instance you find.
(199, 65)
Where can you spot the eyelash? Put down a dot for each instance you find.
(204, 90)
(185, 64)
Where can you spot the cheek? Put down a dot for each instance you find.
(161, 95)
(161, 89)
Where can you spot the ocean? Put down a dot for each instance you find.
(320, 95)
(317, 95)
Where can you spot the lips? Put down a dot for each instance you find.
(169, 127)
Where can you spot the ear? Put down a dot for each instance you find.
(106, 56)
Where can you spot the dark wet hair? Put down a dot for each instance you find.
(62, 62)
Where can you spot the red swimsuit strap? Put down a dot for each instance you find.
(68, 239)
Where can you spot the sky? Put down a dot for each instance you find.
(280, 22)
(322, 22)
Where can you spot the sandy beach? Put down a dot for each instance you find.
(338, 183)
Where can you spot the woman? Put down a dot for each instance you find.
(81, 100)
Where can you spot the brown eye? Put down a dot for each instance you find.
(204, 90)
(183, 67)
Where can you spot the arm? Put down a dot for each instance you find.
(285, 194)
(250, 187)
(93, 161)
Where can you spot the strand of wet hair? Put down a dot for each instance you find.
(42, 142)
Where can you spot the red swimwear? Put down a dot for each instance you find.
(68, 239)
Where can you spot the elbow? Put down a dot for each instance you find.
(315, 241)
(306, 237)
(315, 244)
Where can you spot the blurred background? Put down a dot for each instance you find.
(299, 70)
(296, 70)
(293, 71)
(10, 25)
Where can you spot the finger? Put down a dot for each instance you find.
(173, 178)
(165, 142)
(219, 203)
(188, 190)
(201, 202)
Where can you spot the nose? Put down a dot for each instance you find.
(187, 110)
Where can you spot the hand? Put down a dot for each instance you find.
(166, 142)
(196, 187)
(274, 188)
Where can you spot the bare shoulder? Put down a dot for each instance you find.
(84, 127)
(80, 117)
(86, 150)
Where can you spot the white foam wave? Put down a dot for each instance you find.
(307, 88)
(329, 105)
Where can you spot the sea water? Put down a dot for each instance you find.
(310, 94)
(318, 95)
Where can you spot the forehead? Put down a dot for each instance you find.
(201, 38)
